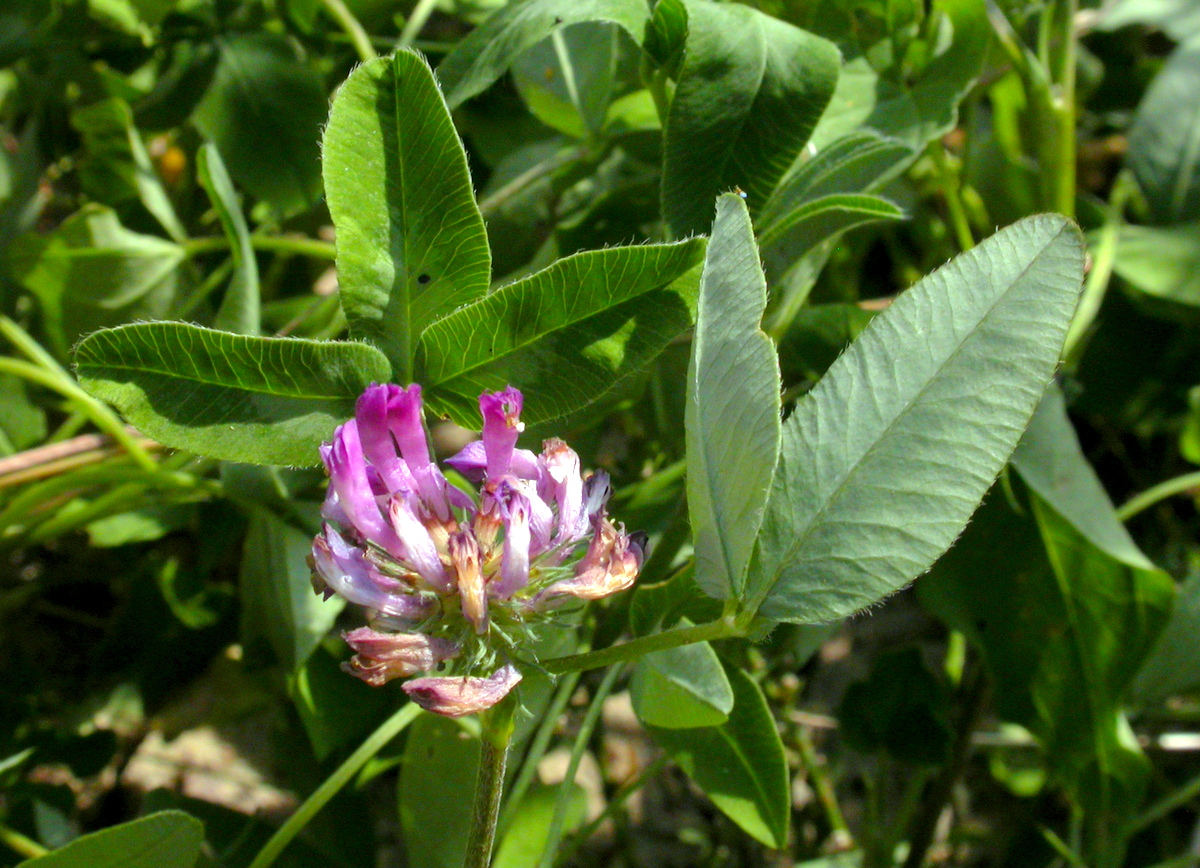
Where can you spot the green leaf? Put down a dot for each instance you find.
(335, 710)
(1173, 667)
(1164, 140)
(279, 607)
(740, 764)
(240, 311)
(526, 838)
(884, 461)
(116, 167)
(732, 416)
(916, 109)
(567, 80)
(666, 35)
(750, 91)
(258, 400)
(490, 49)
(1179, 19)
(681, 688)
(801, 231)
(92, 272)
(168, 839)
(23, 423)
(411, 241)
(264, 110)
(1161, 261)
(566, 335)
(437, 789)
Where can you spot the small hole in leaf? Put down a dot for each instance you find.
(423, 278)
(558, 19)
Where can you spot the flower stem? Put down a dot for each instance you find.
(24, 846)
(725, 628)
(313, 247)
(350, 25)
(497, 730)
(375, 742)
(1149, 497)
(415, 22)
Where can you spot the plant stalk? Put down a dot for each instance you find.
(352, 28)
(497, 730)
(1149, 497)
(313, 247)
(725, 628)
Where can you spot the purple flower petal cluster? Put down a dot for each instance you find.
(452, 577)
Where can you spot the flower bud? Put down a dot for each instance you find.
(455, 696)
(381, 657)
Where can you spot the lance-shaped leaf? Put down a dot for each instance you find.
(681, 688)
(568, 334)
(168, 839)
(489, 50)
(884, 461)
(240, 309)
(740, 764)
(750, 91)
(732, 412)
(258, 400)
(411, 241)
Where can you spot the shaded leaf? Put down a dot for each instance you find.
(567, 80)
(23, 423)
(750, 91)
(240, 310)
(258, 400)
(279, 607)
(168, 839)
(1161, 261)
(901, 708)
(264, 110)
(437, 788)
(1173, 667)
(92, 272)
(566, 335)
(666, 35)
(884, 461)
(526, 838)
(411, 242)
(490, 49)
(740, 764)
(1164, 140)
(732, 416)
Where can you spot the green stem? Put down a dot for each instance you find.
(1063, 75)
(1104, 256)
(375, 742)
(100, 415)
(349, 24)
(537, 749)
(824, 789)
(313, 247)
(497, 730)
(1161, 808)
(951, 188)
(416, 21)
(17, 842)
(1151, 496)
(725, 628)
(563, 799)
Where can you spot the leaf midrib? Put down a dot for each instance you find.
(851, 472)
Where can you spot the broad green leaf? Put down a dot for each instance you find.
(681, 688)
(1179, 19)
(1164, 140)
(750, 91)
(1173, 667)
(740, 764)
(917, 109)
(279, 608)
(258, 400)
(1161, 261)
(437, 788)
(732, 415)
(92, 272)
(263, 110)
(168, 839)
(411, 242)
(858, 163)
(116, 167)
(567, 79)
(666, 35)
(489, 50)
(526, 838)
(566, 335)
(240, 310)
(803, 229)
(884, 461)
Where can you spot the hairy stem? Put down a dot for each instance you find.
(489, 787)
(725, 628)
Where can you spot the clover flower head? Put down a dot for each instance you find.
(453, 579)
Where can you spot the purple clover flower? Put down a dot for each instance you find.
(452, 578)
